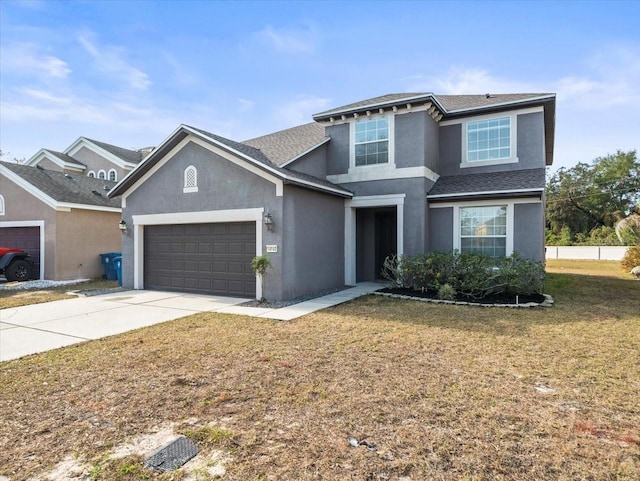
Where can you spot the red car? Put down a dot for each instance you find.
(15, 264)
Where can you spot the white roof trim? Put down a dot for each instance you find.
(311, 149)
(45, 153)
(114, 159)
(425, 96)
(486, 192)
(48, 200)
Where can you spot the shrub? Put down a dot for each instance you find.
(631, 258)
(472, 275)
(446, 292)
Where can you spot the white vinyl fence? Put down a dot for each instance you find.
(598, 253)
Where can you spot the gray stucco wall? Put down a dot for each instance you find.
(313, 242)
(530, 148)
(338, 149)
(314, 163)
(528, 235)
(221, 185)
(441, 229)
(416, 140)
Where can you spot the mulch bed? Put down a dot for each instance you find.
(491, 299)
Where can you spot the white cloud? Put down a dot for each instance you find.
(459, 81)
(300, 110)
(245, 105)
(110, 60)
(28, 58)
(289, 41)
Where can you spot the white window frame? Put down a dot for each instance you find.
(391, 164)
(495, 236)
(194, 188)
(1, 204)
(104, 173)
(92, 174)
(115, 174)
(513, 144)
(488, 203)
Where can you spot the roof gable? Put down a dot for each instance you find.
(58, 158)
(252, 156)
(62, 190)
(123, 158)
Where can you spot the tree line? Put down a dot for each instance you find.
(585, 203)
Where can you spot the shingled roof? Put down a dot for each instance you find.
(285, 145)
(258, 156)
(65, 188)
(529, 180)
(132, 156)
(448, 104)
(66, 158)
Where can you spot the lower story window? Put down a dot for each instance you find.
(483, 230)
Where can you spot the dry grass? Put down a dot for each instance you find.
(444, 392)
(16, 298)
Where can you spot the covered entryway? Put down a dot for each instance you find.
(376, 239)
(374, 229)
(25, 238)
(212, 258)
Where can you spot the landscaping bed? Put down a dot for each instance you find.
(490, 299)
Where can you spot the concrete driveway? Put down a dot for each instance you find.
(41, 327)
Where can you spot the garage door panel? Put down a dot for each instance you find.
(25, 238)
(206, 258)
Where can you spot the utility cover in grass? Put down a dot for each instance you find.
(172, 456)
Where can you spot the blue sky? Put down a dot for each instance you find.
(129, 73)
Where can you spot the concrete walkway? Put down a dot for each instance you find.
(42, 327)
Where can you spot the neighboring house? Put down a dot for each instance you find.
(330, 200)
(91, 158)
(64, 220)
(58, 218)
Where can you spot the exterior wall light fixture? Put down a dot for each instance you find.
(122, 225)
(268, 222)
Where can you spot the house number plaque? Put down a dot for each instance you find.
(272, 248)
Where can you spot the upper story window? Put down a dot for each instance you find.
(483, 230)
(91, 174)
(102, 174)
(489, 139)
(113, 175)
(190, 179)
(372, 141)
(1, 204)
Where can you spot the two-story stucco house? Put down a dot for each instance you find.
(330, 200)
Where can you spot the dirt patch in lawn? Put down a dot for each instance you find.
(442, 392)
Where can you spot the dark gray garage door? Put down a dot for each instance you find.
(25, 238)
(203, 258)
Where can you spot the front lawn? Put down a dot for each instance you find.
(24, 297)
(443, 392)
